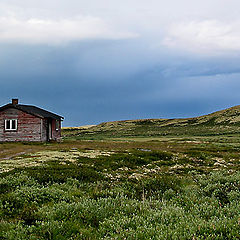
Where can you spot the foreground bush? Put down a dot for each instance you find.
(203, 207)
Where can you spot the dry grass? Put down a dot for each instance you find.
(78, 128)
(39, 158)
(205, 154)
(223, 122)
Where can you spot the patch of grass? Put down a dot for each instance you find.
(198, 154)
(55, 172)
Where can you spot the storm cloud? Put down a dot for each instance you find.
(94, 61)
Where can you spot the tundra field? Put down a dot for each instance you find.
(98, 185)
(158, 189)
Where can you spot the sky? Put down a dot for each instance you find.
(94, 61)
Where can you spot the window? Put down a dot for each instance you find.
(10, 124)
(57, 125)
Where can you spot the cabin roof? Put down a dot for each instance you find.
(36, 111)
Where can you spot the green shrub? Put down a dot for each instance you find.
(59, 173)
(44, 203)
(10, 182)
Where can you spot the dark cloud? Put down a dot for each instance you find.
(95, 81)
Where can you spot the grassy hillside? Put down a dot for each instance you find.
(218, 123)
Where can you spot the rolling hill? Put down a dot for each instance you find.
(222, 122)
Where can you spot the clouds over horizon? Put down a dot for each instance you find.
(95, 61)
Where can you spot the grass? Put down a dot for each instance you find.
(138, 188)
(219, 124)
(137, 179)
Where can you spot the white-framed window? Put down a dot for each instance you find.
(10, 124)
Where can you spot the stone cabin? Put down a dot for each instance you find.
(28, 123)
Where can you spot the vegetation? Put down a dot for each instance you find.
(184, 186)
(221, 123)
(121, 190)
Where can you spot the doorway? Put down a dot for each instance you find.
(49, 129)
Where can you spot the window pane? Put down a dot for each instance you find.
(8, 124)
(57, 125)
(13, 124)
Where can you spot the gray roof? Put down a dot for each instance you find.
(36, 111)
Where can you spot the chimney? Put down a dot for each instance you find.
(15, 101)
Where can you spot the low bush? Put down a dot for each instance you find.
(59, 173)
(75, 201)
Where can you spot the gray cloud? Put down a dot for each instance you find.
(105, 73)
